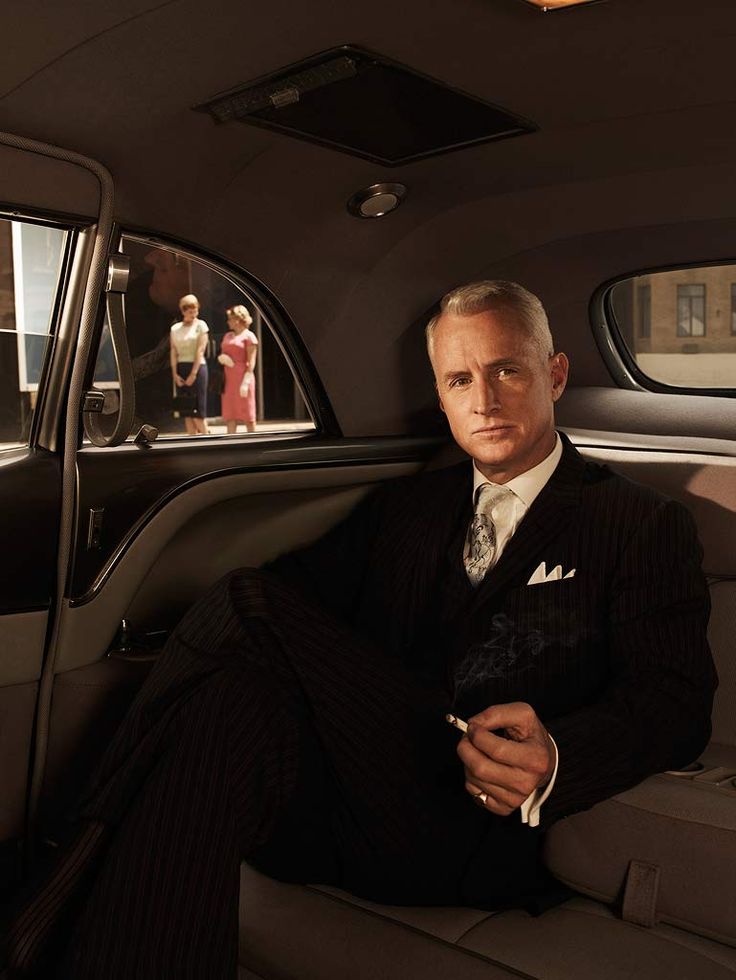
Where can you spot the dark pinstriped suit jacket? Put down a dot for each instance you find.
(614, 660)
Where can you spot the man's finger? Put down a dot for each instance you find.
(486, 772)
(500, 794)
(532, 755)
(518, 718)
(490, 800)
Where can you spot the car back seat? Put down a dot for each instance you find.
(308, 933)
(678, 830)
(317, 933)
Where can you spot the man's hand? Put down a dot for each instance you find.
(508, 769)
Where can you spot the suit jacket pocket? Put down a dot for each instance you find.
(552, 621)
(554, 605)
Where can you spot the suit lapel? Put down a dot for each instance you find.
(548, 516)
(444, 514)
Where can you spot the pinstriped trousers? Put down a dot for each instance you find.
(267, 731)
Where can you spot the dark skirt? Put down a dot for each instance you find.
(183, 369)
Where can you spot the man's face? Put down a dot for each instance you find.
(170, 279)
(497, 390)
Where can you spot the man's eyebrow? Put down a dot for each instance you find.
(500, 363)
(503, 362)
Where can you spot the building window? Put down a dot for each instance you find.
(691, 310)
(644, 303)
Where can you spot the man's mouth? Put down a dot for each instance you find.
(492, 429)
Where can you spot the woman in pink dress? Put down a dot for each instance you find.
(239, 350)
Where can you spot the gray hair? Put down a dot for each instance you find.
(496, 294)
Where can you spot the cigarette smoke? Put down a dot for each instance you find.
(506, 650)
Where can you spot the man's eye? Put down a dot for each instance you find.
(507, 372)
(459, 382)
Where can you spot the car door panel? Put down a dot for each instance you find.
(22, 639)
(132, 485)
(295, 503)
(29, 531)
(29, 503)
(17, 709)
(209, 523)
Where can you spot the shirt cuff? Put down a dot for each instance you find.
(532, 805)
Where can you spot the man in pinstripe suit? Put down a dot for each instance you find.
(296, 717)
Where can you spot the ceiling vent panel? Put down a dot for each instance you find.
(361, 103)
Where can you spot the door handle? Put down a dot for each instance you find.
(137, 646)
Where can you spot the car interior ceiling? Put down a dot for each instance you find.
(605, 186)
(629, 167)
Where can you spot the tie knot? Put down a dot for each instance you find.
(488, 495)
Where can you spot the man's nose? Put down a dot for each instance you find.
(485, 400)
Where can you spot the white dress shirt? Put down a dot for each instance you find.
(525, 488)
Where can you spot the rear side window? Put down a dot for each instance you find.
(31, 265)
(205, 357)
(676, 328)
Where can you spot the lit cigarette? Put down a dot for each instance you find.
(457, 722)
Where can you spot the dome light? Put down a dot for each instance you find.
(377, 200)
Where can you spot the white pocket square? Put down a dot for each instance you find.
(540, 574)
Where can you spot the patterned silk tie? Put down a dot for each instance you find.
(481, 546)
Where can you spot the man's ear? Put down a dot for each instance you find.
(559, 370)
(439, 398)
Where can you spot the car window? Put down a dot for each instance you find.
(31, 263)
(678, 326)
(205, 357)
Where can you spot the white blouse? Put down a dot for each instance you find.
(186, 337)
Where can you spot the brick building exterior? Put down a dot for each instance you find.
(686, 311)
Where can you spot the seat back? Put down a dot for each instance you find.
(706, 484)
(667, 846)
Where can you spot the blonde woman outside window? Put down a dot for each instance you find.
(239, 352)
(188, 366)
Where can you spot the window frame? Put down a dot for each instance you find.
(618, 359)
(52, 386)
(283, 329)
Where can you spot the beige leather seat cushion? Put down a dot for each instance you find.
(684, 826)
(583, 939)
(308, 933)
